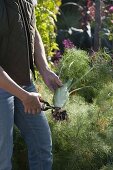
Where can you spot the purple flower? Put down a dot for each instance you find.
(57, 56)
(111, 9)
(68, 44)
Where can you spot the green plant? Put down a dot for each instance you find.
(45, 21)
(61, 94)
(84, 141)
(88, 73)
(107, 167)
(76, 143)
(100, 75)
(73, 65)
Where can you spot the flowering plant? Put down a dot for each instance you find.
(68, 44)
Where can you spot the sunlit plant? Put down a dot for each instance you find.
(45, 21)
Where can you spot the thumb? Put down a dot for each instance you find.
(58, 81)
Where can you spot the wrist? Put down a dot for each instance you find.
(23, 96)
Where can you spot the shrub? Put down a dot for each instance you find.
(90, 73)
(107, 167)
(76, 143)
(45, 20)
(99, 76)
(73, 65)
(82, 142)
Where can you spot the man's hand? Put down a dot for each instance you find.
(32, 103)
(51, 80)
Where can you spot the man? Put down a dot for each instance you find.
(20, 48)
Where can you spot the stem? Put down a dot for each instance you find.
(60, 72)
(74, 83)
(78, 89)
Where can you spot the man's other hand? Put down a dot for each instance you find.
(51, 80)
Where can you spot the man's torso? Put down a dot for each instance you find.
(17, 38)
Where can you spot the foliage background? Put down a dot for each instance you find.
(45, 20)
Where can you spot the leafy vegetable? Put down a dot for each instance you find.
(74, 64)
(61, 94)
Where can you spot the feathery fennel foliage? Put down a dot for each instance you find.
(73, 65)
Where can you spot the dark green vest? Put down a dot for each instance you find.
(17, 31)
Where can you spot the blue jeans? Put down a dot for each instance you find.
(34, 129)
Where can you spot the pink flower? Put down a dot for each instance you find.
(112, 21)
(68, 44)
(111, 9)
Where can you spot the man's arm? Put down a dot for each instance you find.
(30, 100)
(49, 77)
(40, 57)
